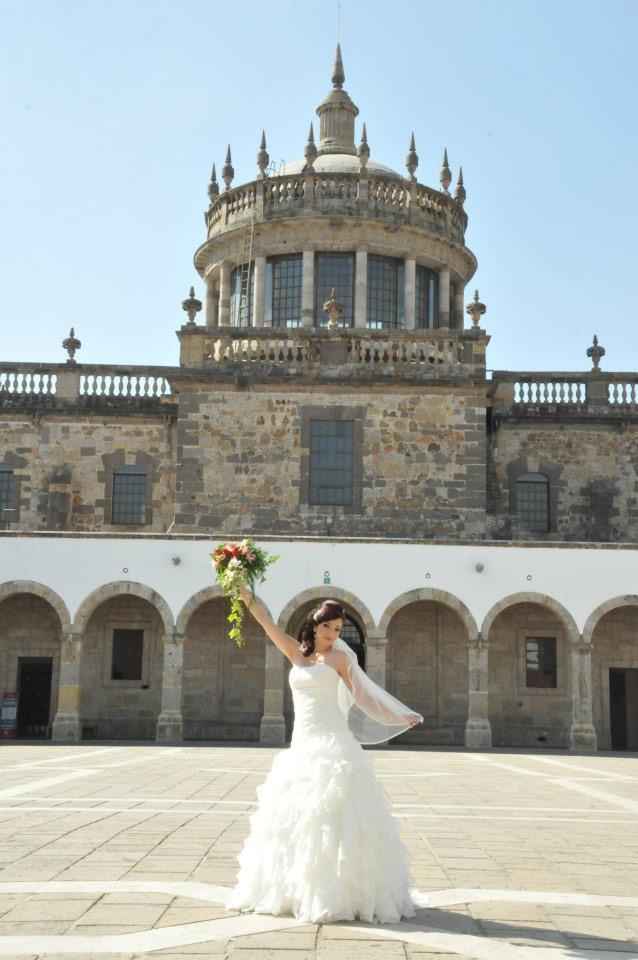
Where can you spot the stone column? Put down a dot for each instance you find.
(444, 298)
(582, 735)
(67, 725)
(272, 729)
(212, 301)
(259, 291)
(224, 294)
(376, 665)
(169, 722)
(409, 294)
(308, 289)
(361, 290)
(478, 732)
(459, 310)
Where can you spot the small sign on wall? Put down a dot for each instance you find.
(8, 716)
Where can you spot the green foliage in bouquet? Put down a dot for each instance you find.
(237, 565)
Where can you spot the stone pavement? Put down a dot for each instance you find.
(129, 851)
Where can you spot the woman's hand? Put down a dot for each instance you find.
(415, 720)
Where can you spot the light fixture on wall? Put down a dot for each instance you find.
(479, 567)
(176, 561)
(427, 576)
(529, 576)
(124, 569)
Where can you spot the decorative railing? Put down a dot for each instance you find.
(308, 348)
(82, 380)
(377, 197)
(547, 393)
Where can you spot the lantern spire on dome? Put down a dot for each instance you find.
(338, 73)
(337, 114)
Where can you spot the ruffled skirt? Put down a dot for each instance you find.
(323, 844)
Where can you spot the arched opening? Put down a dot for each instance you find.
(615, 678)
(30, 648)
(223, 686)
(353, 632)
(530, 699)
(121, 669)
(426, 668)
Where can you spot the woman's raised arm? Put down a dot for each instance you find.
(287, 644)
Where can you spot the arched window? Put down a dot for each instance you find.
(385, 292)
(241, 300)
(531, 502)
(352, 635)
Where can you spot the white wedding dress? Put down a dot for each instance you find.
(323, 844)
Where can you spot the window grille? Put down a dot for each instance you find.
(532, 502)
(129, 497)
(540, 662)
(335, 270)
(284, 284)
(331, 462)
(385, 292)
(128, 649)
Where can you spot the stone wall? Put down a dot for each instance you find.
(244, 465)
(592, 473)
(62, 468)
(121, 709)
(523, 716)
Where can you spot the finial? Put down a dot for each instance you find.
(213, 186)
(191, 306)
(412, 159)
(310, 152)
(476, 309)
(446, 173)
(228, 171)
(595, 353)
(364, 149)
(334, 310)
(71, 344)
(262, 156)
(459, 193)
(338, 74)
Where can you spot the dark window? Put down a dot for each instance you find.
(331, 456)
(241, 296)
(385, 292)
(129, 497)
(8, 497)
(532, 502)
(351, 634)
(335, 270)
(540, 662)
(427, 298)
(128, 647)
(283, 291)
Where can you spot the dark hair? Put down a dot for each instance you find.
(328, 610)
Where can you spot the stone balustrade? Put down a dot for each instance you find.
(345, 352)
(544, 394)
(37, 381)
(385, 198)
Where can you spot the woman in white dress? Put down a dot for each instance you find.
(323, 844)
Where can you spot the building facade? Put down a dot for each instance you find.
(333, 394)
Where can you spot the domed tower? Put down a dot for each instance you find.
(392, 248)
(334, 295)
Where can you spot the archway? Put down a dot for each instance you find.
(32, 620)
(613, 631)
(530, 636)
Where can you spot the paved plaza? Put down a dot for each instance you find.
(129, 851)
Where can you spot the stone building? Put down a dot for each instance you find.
(332, 395)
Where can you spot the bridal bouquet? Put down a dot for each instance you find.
(237, 565)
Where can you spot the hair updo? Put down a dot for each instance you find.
(328, 610)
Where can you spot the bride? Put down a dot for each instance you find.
(323, 844)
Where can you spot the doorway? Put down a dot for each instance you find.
(623, 706)
(34, 697)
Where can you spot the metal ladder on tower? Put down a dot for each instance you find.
(245, 271)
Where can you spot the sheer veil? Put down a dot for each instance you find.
(374, 715)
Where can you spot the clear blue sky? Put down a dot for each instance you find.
(111, 114)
